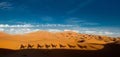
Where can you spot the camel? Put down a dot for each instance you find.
(30, 46)
(22, 46)
(54, 46)
(62, 46)
(71, 46)
(47, 46)
(39, 46)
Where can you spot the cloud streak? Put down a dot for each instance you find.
(27, 28)
(79, 6)
(5, 5)
(80, 21)
(39, 25)
(47, 18)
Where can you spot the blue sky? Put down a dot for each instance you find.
(83, 15)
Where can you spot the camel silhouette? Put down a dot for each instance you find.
(47, 46)
(62, 46)
(30, 46)
(54, 46)
(39, 46)
(22, 46)
(71, 46)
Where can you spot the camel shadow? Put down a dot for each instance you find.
(110, 50)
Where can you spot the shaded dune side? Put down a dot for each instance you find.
(110, 50)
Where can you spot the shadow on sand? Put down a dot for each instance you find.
(110, 50)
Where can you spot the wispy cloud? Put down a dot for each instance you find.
(79, 6)
(80, 21)
(108, 31)
(90, 23)
(27, 28)
(5, 5)
(75, 20)
(7, 26)
(36, 25)
(47, 18)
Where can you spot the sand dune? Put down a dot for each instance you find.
(67, 38)
(59, 44)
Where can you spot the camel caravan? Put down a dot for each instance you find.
(29, 46)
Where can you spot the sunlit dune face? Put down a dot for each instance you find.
(59, 40)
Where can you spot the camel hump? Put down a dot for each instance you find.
(30, 46)
(22, 46)
(53, 45)
(39, 46)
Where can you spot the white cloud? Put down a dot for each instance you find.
(54, 30)
(109, 33)
(101, 31)
(72, 30)
(5, 5)
(40, 25)
(90, 32)
(27, 28)
(25, 25)
(1, 29)
(80, 21)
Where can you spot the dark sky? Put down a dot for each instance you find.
(84, 13)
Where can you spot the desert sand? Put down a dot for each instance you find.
(59, 44)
